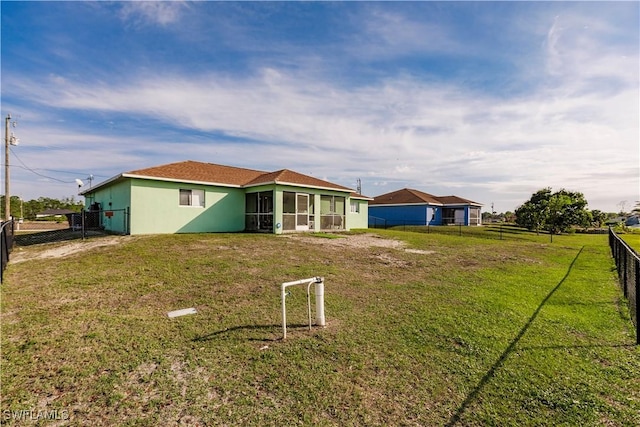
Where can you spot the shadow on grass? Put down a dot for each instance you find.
(276, 329)
(492, 371)
(53, 236)
(569, 347)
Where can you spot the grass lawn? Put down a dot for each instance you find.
(633, 240)
(460, 331)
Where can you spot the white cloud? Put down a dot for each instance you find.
(553, 54)
(577, 127)
(153, 12)
(402, 131)
(387, 33)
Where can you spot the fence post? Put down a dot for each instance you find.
(637, 295)
(625, 278)
(82, 213)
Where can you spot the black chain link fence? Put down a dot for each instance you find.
(6, 245)
(628, 265)
(80, 225)
(486, 231)
(499, 231)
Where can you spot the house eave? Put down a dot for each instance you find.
(360, 197)
(156, 178)
(293, 184)
(462, 205)
(181, 181)
(102, 184)
(406, 204)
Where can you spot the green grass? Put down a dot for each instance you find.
(478, 332)
(632, 240)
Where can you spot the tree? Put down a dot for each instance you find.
(622, 205)
(29, 209)
(509, 216)
(555, 212)
(532, 214)
(598, 218)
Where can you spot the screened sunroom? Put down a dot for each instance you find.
(301, 211)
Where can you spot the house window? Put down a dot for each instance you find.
(355, 206)
(288, 211)
(192, 198)
(332, 212)
(259, 211)
(296, 211)
(474, 216)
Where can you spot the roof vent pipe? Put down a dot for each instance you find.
(318, 283)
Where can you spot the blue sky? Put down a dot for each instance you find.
(490, 101)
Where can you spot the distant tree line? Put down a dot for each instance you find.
(507, 216)
(29, 209)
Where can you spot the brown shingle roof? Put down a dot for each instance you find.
(286, 176)
(452, 200)
(405, 196)
(192, 171)
(199, 172)
(408, 196)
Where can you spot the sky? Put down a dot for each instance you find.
(489, 101)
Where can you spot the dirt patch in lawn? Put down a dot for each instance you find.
(20, 254)
(350, 240)
(366, 240)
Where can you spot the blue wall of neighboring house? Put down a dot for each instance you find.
(414, 215)
(404, 215)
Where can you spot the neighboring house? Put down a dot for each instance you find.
(57, 213)
(632, 221)
(196, 197)
(414, 207)
(615, 221)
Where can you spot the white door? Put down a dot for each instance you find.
(302, 211)
(459, 216)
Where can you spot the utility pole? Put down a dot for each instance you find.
(8, 140)
(7, 200)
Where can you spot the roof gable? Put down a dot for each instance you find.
(406, 196)
(286, 176)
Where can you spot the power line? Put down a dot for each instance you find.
(70, 172)
(24, 166)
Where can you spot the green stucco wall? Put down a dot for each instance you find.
(115, 198)
(155, 208)
(361, 218)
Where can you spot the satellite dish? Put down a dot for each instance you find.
(79, 182)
